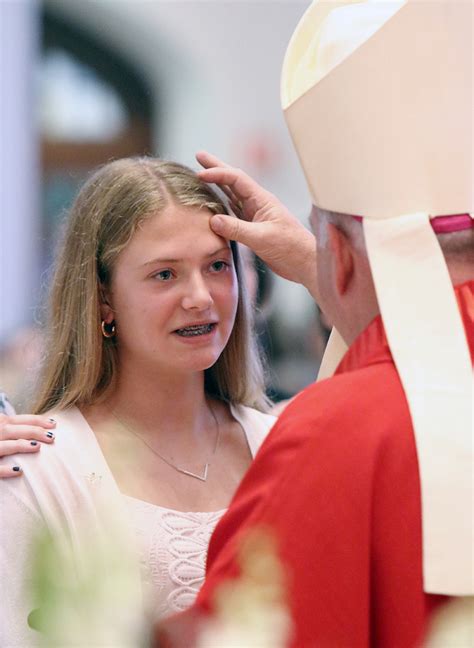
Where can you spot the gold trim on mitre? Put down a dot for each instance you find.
(378, 101)
(318, 45)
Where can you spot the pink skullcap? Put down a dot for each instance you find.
(446, 224)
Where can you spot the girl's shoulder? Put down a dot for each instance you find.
(69, 433)
(69, 418)
(55, 479)
(73, 450)
(255, 424)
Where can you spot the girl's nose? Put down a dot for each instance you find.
(198, 296)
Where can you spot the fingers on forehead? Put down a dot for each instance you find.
(237, 180)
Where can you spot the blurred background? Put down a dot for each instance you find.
(86, 81)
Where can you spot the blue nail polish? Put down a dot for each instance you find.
(51, 420)
(50, 435)
(16, 469)
(34, 443)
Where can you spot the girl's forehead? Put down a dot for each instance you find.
(175, 236)
(175, 219)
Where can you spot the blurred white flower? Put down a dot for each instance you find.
(252, 609)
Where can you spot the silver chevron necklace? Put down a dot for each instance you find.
(189, 473)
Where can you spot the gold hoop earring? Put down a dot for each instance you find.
(108, 329)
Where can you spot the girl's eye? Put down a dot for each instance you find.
(163, 275)
(219, 266)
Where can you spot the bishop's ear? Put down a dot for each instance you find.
(342, 258)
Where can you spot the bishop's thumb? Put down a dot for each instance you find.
(232, 228)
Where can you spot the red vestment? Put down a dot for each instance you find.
(337, 481)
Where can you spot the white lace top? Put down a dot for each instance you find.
(172, 545)
(172, 548)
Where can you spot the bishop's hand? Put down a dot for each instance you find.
(263, 223)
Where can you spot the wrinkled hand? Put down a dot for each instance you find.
(264, 224)
(22, 433)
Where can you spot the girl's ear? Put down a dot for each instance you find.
(106, 310)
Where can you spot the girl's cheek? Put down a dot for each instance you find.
(229, 291)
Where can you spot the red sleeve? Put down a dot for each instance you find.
(337, 482)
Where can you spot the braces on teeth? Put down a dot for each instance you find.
(195, 330)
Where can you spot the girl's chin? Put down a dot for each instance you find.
(192, 364)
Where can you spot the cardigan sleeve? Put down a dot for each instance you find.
(20, 525)
(64, 520)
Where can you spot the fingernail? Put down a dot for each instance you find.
(217, 222)
(51, 420)
(16, 469)
(33, 443)
(50, 435)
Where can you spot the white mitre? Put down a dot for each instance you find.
(378, 100)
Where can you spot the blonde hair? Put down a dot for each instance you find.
(80, 365)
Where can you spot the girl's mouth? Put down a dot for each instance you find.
(196, 330)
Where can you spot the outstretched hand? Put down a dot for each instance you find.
(264, 224)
